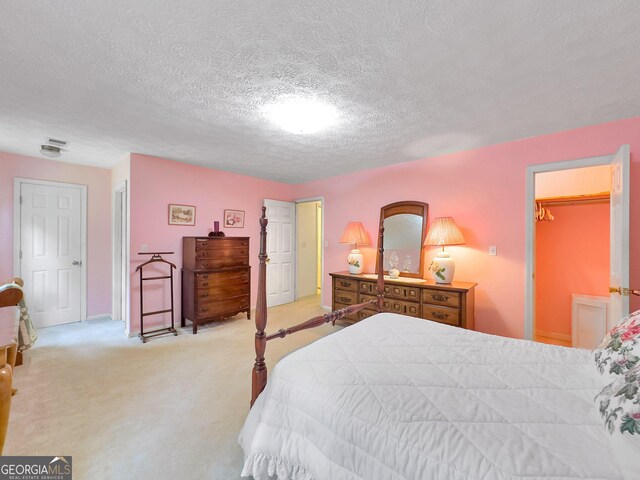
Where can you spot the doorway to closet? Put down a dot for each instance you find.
(617, 167)
(572, 255)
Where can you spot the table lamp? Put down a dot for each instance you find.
(443, 231)
(356, 234)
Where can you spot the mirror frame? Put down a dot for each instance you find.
(408, 207)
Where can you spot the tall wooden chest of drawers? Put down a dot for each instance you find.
(216, 279)
(451, 303)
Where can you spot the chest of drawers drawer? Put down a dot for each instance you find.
(400, 291)
(450, 316)
(346, 298)
(346, 285)
(439, 297)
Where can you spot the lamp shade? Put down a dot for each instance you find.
(355, 233)
(444, 231)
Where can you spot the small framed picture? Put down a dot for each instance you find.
(234, 218)
(182, 214)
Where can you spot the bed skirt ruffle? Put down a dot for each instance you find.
(265, 467)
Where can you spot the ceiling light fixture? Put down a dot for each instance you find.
(302, 116)
(53, 148)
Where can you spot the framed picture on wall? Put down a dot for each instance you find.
(182, 214)
(234, 218)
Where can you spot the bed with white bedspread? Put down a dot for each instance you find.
(395, 397)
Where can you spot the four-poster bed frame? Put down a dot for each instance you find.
(259, 373)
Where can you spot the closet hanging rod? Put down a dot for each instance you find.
(575, 199)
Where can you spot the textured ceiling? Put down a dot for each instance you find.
(413, 78)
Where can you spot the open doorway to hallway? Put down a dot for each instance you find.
(309, 263)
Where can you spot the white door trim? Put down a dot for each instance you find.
(321, 200)
(530, 198)
(17, 181)
(120, 189)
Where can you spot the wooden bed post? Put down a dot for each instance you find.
(259, 374)
(380, 288)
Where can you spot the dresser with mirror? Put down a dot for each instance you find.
(405, 225)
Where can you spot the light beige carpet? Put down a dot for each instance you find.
(168, 409)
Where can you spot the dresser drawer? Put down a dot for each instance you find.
(366, 287)
(220, 293)
(220, 243)
(345, 297)
(219, 279)
(439, 297)
(221, 262)
(230, 306)
(396, 306)
(404, 308)
(348, 285)
(205, 253)
(399, 291)
(450, 316)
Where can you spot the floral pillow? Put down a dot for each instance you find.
(619, 403)
(619, 407)
(619, 351)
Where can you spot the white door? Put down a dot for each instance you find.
(281, 252)
(619, 218)
(51, 252)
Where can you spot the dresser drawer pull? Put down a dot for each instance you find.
(205, 276)
(345, 284)
(204, 253)
(345, 299)
(205, 284)
(440, 298)
(204, 295)
(440, 315)
(204, 309)
(204, 265)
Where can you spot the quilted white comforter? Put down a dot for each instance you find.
(395, 397)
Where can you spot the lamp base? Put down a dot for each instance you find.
(355, 261)
(443, 268)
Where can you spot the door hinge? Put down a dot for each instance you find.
(20, 254)
(20, 200)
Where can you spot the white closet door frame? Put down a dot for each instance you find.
(530, 240)
(17, 181)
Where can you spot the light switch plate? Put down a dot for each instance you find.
(493, 251)
(143, 247)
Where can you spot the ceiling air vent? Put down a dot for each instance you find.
(53, 148)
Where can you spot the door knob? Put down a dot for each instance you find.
(76, 262)
(268, 260)
(625, 292)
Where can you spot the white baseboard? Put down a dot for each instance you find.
(325, 307)
(565, 337)
(99, 317)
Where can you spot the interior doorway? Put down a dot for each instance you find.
(309, 264)
(617, 168)
(120, 300)
(572, 231)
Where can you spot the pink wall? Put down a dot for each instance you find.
(572, 256)
(98, 181)
(155, 183)
(484, 190)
